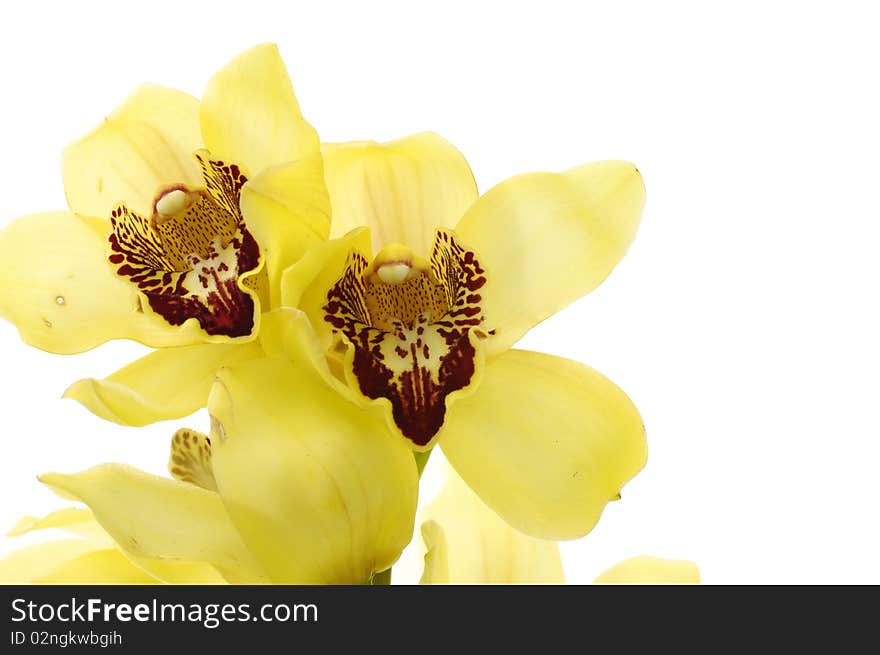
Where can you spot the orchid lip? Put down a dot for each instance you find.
(187, 259)
(409, 321)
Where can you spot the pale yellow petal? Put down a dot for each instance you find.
(317, 486)
(25, 565)
(305, 284)
(402, 190)
(57, 287)
(74, 520)
(155, 517)
(143, 146)
(546, 442)
(250, 115)
(80, 521)
(177, 572)
(437, 551)
(547, 239)
(467, 543)
(287, 209)
(651, 570)
(166, 384)
(68, 517)
(97, 567)
(287, 333)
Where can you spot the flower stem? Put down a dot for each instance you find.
(381, 578)
(422, 460)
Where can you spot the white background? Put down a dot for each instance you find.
(743, 322)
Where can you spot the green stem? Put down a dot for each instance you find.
(422, 460)
(381, 578)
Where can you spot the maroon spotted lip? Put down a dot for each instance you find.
(189, 265)
(394, 358)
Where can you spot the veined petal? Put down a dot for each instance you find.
(144, 145)
(305, 285)
(317, 486)
(250, 115)
(402, 190)
(57, 287)
(287, 209)
(546, 442)
(547, 239)
(651, 570)
(166, 384)
(155, 517)
(467, 543)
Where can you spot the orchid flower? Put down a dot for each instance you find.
(464, 542)
(424, 328)
(183, 214)
(329, 372)
(297, 486)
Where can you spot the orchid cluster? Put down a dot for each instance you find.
(340, 309)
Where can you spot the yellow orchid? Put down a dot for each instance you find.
(183, 213)
(327, 366)
(425, 327)
(298, 486)
(465, 542)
